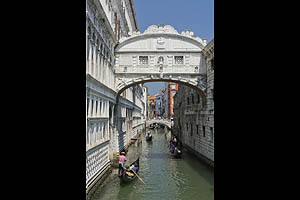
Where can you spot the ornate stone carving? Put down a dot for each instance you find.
(160, 29)
(160, 43)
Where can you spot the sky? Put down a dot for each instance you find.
(196, 15)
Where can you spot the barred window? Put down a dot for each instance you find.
(178, 59)
(143, 60)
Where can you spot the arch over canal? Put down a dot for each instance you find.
(160, 54)
(167, 123)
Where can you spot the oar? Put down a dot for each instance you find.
(138, 177)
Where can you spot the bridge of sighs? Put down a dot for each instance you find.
(160, 54)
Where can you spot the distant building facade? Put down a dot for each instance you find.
(151, 106)
(172, 89)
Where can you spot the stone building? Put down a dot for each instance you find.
(193, 118)
(151, 106)
(172, 89)
(108, 21)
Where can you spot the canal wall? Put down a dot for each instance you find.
(199, 156)
(91, 188)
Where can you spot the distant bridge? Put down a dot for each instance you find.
(165, 122)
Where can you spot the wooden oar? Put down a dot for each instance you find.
(138, 177)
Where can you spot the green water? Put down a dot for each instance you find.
(166, 178)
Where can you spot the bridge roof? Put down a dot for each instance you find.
(168, 31)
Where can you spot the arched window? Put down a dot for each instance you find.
(98, 44)
(101, 49)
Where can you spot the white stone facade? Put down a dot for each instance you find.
(107, 21)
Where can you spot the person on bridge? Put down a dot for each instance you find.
(122, 160)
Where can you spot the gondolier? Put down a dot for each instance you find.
(122, 160)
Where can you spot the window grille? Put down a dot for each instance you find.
(178, 59)
(143, 60)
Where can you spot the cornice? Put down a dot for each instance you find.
(133, 38)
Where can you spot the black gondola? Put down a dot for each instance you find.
(149, 138)
(125, 176)
(176, 152)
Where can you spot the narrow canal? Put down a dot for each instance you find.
(166, 178)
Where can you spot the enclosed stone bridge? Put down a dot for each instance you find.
(160, 54)
(165, 122)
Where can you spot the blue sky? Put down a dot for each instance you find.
(196, 15)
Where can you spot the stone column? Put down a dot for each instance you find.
(98, 64)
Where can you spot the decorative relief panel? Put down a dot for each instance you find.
(160, 43)
(187, 60)
(134, 61)
(152, 62)
(170, 60)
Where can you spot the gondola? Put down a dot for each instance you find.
(149, 138)
(176, 153)
(125, 176)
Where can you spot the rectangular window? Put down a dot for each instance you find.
(197, 128)
(191, 129)
(143, 60)
(187, 126)
(178, 59)
(203, 131)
